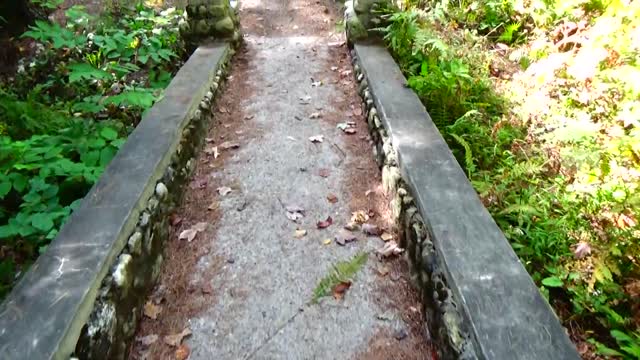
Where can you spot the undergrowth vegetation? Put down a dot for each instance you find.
(540, 102)
(67, 110)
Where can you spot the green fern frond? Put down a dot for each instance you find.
(468, 154)
(341, 271)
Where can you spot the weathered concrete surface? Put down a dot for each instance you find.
(259, 303)
(44, 314)
(505, 312)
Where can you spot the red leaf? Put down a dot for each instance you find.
(325, 223)
(340, 289)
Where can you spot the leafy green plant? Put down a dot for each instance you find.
(40, 179)
(560, 179)
(68, 111)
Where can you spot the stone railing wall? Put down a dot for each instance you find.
(84, 296)
(479, 301)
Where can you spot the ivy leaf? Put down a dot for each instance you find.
(552, 281)
(106, 155)
(5, 187)
(84, 71)
(19, 182)
(7, 231)
(42, 222)
(109, 133)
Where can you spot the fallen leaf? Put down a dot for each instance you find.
(583, 249)
(343, 237)
(176, 339)
(390, 248)
(305, 100)
(294, 212)
(300, 233)
(207, 289)
(342, 126)
(352, 226)
(191, 233)
(340, 289)
(326, 242)
(182, 353)
(386, 237)
(224, 190)
(315, 115)
(223, 110)
(198, 184)
(324, 172)
(332, 198)
(152, 310)
(212, 151)
(175, 220)
(633, 288)
(325, 223)
(382, 270)
(229, 145)
(359, 217)
(336, 44)
(371, 229)
(213, 206)
(294, 216)
(148, 340)
(316, 138)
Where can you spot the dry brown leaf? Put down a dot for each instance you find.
(190, 234)
(343, 237)
(207, 289)
(382, 270)
(359, 217)
(213, 206)
(386, 237)
(582, 249)
(300, 233)
(182, 352)
(316, 138)
(176, 339)
(332, 198)
(213, 150)
(389, 249)
(324, 223)
(340, 289)
(229, 145)
(294, 212)
(148, 340)
(371, 229)
(175, 220)
(352, 226)
(152, 310)
(324, 172)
